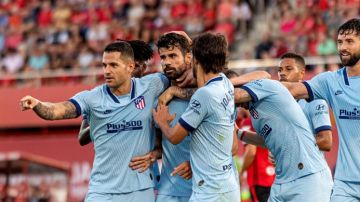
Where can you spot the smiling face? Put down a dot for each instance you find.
(173, 62)
(289, 70)
(348, 44)
(117, 70)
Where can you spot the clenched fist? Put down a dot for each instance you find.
(28, 102)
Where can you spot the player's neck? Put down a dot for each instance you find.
(210, 76)
(354, 70)
(123, 89)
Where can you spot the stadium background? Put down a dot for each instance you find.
(52, 49)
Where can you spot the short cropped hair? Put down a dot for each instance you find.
(349, 27)
(210, 50)
(298, 58)
(172, 40)
(122, 47)
(230, 73)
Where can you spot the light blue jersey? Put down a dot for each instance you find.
(317, 113)
(173, 155)
(210, 115)
(120, 127)
(278, 118)
(343, 95)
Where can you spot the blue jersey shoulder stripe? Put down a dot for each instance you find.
(309, 90)
(132, 89)
(252, 94)
(77, 106)
(186, 125)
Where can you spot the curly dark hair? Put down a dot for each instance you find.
(171, 40)
(350, 27)
(211, 51)
(142, 50)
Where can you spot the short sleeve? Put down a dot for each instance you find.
(317, 86)
(196, 111)
(157, 82)
(260, 89)
(81, 103)
(320, 118)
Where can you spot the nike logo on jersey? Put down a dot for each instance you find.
(108, 111)
(338, 92)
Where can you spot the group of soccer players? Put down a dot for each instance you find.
(197, 135)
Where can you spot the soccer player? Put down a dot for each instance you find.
(292, 69)
(142, 53)
(174, 185)
(119, 114)
(282, 127)
(210, 118)
(341, 90)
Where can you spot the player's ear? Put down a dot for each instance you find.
(188, 57)
(131, 66)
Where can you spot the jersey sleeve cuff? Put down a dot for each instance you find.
(77, 106)
(252, 94)
(322, 128)
(186, 125)
(309, 90)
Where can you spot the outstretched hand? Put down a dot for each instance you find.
(28, 102)
(165, 97)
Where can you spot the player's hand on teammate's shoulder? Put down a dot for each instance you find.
(182, 33)
(183, 170)
(28, 102)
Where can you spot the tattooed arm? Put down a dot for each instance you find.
(174, 91)
(48, 110)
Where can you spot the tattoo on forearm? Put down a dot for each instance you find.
(185, 93)
(44, 111)
(70, 110)
(50, 111)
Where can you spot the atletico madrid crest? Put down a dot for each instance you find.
(140, 102)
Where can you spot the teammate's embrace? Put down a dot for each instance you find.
(210, 117)
(119, 114)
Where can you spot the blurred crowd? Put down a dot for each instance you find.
(44, 37)
(308, 27)
(61, 35)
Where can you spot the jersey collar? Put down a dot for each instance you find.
(218, 78)
(113, 97)
(346, 79)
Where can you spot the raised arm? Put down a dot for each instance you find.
(241, 96)
(251, 76)
(48, 110)
(298, 90)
